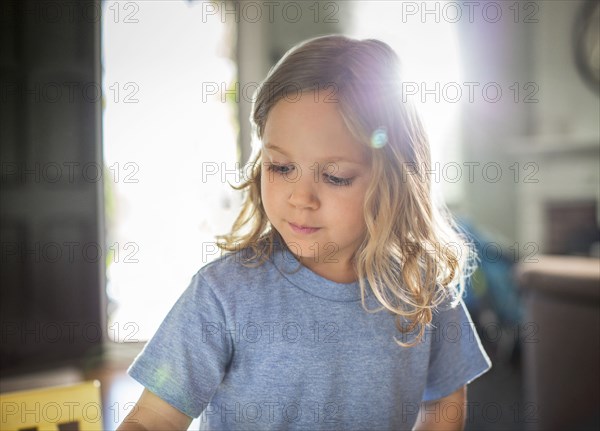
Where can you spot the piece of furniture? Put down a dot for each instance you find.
(561, 342)
(62, 408)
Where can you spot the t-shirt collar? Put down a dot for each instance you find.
(304, 278)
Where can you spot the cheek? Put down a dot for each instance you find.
(269, 193)
(272, 184)
(350, 207)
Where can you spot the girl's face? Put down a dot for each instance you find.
(314, 178)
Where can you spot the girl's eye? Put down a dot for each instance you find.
(330, 179)
(280, 169)
(337, 181)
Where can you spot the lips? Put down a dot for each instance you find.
(303, 229)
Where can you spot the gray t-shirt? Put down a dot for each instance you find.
(276, 347)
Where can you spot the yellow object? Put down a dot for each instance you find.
(61, 408)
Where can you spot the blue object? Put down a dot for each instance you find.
(498, 287)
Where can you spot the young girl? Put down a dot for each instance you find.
(338, 302)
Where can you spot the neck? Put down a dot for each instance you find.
(339, 272)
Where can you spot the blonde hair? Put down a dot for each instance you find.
(413, 255)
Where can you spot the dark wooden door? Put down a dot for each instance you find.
(51, 200)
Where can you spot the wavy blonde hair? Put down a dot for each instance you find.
(413, 255)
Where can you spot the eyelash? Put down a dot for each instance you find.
(334, 181)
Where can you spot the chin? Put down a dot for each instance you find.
(298, 246)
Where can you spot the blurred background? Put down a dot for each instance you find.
(123, 124)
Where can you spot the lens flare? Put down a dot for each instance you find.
(379, 138)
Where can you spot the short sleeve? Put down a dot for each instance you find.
(456, 356)
(182, 364)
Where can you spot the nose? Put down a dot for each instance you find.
(303, 194)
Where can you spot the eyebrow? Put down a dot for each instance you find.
(274, 147)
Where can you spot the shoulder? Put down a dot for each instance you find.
(447, 300)
(233, 273)
(450, 309)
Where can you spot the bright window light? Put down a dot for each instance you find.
(161, 130)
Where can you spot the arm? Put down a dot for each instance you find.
(153, 413)
(447, 413)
